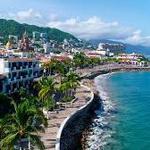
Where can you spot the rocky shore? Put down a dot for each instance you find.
(91, 75)
(72, 137)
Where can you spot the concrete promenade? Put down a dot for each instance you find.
(49, 137)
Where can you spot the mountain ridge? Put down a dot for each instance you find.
(129, 47)
(12, 27)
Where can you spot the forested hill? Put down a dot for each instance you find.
(11, 27)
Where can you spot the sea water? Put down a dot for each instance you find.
(123, 121)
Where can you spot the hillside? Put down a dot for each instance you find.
(11, 27)
(129, 48)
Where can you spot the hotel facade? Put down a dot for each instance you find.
(17, 72)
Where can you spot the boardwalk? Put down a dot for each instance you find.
(49, 137)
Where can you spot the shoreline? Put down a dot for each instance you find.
(86, 133)
(88, 80)
(108, 68)
(71, 129)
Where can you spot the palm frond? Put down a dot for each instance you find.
(37, 142)
(9, 141)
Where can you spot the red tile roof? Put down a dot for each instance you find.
(20, 59)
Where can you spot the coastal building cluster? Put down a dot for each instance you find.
(21, 59)
(40, 77)
(133, 59)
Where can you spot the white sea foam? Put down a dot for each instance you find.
(100, 129)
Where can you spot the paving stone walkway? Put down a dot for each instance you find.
(49, 137)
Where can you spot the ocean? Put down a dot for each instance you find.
(123, 121)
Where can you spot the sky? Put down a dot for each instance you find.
(121, 20)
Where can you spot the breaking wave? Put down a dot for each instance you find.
(100, 131)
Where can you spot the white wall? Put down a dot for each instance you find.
(2, 67)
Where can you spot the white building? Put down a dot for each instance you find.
(104, 52)
(133, 58)
(94, 54)
(46, 47)
(111, 47)
(36, 35)
(19, 72)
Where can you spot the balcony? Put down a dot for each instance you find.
(24, 76)
(35, 75)
(9, 80)
(15, 79)
(30, 75)
(24, 67)
(14, 68)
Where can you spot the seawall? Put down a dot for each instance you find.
(92, 73)
(70, 133)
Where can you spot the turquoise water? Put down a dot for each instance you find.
(131, 92)
(124, 122)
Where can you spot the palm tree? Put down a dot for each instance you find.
(50, 66)
(64, 88)
(73, 78)
(80, 60)
(70, 82)
(23, 124)
(47, 89)
(61, 68)
(1, 129)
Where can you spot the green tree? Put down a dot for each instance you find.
(47, 87)
(5, 105)
(73, 79)
(24, 123)
(69, 84)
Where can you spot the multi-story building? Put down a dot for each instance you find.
(133, 58)
(18, 72)
(99, 53)
(115, 48)
(36, 36)
(94, 54)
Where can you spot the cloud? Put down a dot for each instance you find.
(138, 39)
(28, 14)
(90, 28)
(25, 14)
(95, 27)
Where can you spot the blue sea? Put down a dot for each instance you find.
(123, 123)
